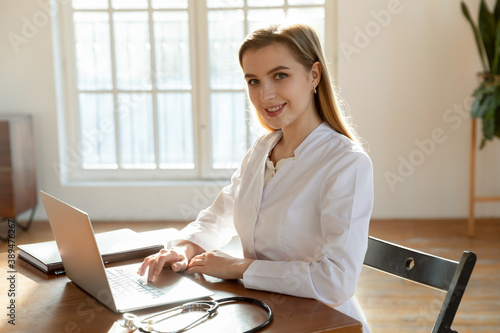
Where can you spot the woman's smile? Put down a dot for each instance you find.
(276, 110)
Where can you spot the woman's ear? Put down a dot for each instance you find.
(316, 73)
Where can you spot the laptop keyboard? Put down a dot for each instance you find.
(123, 283)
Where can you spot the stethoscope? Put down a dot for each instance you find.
(209, 308)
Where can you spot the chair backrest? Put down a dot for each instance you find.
(432, 271)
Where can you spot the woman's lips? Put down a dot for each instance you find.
(275, 110)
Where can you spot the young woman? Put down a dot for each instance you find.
(302, 198)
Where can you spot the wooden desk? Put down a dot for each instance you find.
(48, 303)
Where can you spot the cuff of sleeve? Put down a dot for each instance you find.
(267, 275)
(249, 275)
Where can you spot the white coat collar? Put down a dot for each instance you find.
(274, 137)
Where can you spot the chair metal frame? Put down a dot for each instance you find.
(426, 269)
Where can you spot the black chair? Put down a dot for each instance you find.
(432, 271)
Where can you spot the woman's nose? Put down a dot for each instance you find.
(267, 92)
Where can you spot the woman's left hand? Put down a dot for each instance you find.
(218, 264)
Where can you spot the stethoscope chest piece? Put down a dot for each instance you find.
(158, 322)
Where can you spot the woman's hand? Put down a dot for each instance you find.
(177, 258)
(218, 264)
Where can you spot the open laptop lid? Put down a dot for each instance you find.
(73, 232)
(83, 264)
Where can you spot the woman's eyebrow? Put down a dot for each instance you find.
(277, 68)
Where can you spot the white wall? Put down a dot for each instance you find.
(406, 80)
(399, 87)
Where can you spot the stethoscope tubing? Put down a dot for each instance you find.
(254, 301)
(210, 307)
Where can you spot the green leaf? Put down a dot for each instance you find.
(487, 29)
(477, 37)
(483, 142)
(497, 123)
(496, 11)
(489, 118)
(483, 89)
(494, 66)
(485, 105)
(489, 124)
(474, 110)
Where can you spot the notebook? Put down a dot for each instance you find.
(119, 288)
(115, 245)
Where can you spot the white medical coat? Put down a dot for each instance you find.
(307, 229)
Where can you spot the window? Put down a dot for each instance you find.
(154, 89)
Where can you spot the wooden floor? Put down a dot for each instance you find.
(392, 304)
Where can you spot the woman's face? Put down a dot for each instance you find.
(279, 87)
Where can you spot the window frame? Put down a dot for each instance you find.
(71, 169)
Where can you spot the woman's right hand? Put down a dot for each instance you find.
(177, 258)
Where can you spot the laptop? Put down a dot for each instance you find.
(120, 288)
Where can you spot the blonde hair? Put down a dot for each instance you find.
(306, 49)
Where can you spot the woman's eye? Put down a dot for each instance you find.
(280, 76)
(252, 82)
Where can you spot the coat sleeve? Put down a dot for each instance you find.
(331, 274)
(214, 226)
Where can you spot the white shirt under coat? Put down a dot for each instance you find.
(307, 229)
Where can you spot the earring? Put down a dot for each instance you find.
(315, 90)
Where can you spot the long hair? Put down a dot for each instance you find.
(306, 49)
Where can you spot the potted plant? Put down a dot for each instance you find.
(486, 105)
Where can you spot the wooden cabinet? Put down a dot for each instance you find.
(17, 166)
